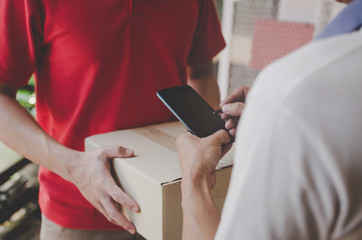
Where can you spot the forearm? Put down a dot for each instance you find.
(20, 131)
(203, 80)
(200, 215)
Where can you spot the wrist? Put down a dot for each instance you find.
(199, 183)
(194, 192)
(62, 160)
(71, 163)
(194, 173)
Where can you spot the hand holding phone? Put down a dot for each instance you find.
(192, 110)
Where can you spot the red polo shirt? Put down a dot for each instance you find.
(98, 65)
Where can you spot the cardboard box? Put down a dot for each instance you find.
(152, 178)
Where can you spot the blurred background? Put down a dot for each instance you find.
(257, 32)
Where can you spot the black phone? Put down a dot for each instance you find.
(192, 110)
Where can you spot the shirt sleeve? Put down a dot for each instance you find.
(208, 39)
(280, 186)
(20, 40)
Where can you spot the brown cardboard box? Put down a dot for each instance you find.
(152, 178)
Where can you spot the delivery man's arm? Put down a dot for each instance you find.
(203, 79)
(89, 171)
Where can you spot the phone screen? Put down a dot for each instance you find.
(192, 110)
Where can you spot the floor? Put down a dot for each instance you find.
(25, 223)
(24, 228)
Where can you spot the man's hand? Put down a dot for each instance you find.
(233, 107)
(199, 156)
(198, 159)
(91, 173)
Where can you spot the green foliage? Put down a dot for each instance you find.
(26, 96)
(31, 82)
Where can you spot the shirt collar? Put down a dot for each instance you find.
(349, 20)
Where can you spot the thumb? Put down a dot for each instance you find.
(225, 149)
(233, 109)
(118, 151)
(221, 137)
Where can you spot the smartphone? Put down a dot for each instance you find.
(192, 110)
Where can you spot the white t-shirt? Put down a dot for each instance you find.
(298, 163)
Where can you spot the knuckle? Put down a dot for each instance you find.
(118, 197)
(113, 216)
(99, 181)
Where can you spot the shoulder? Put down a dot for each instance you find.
(301, 134)
(322, 74)
(320, 86)
(312, 65)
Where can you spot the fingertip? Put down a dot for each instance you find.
(135, 209)
(123, 152)
(131, 229)
(132, 205)
(129, 152)
(225, 108)
(229, 124)
(232, 131)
